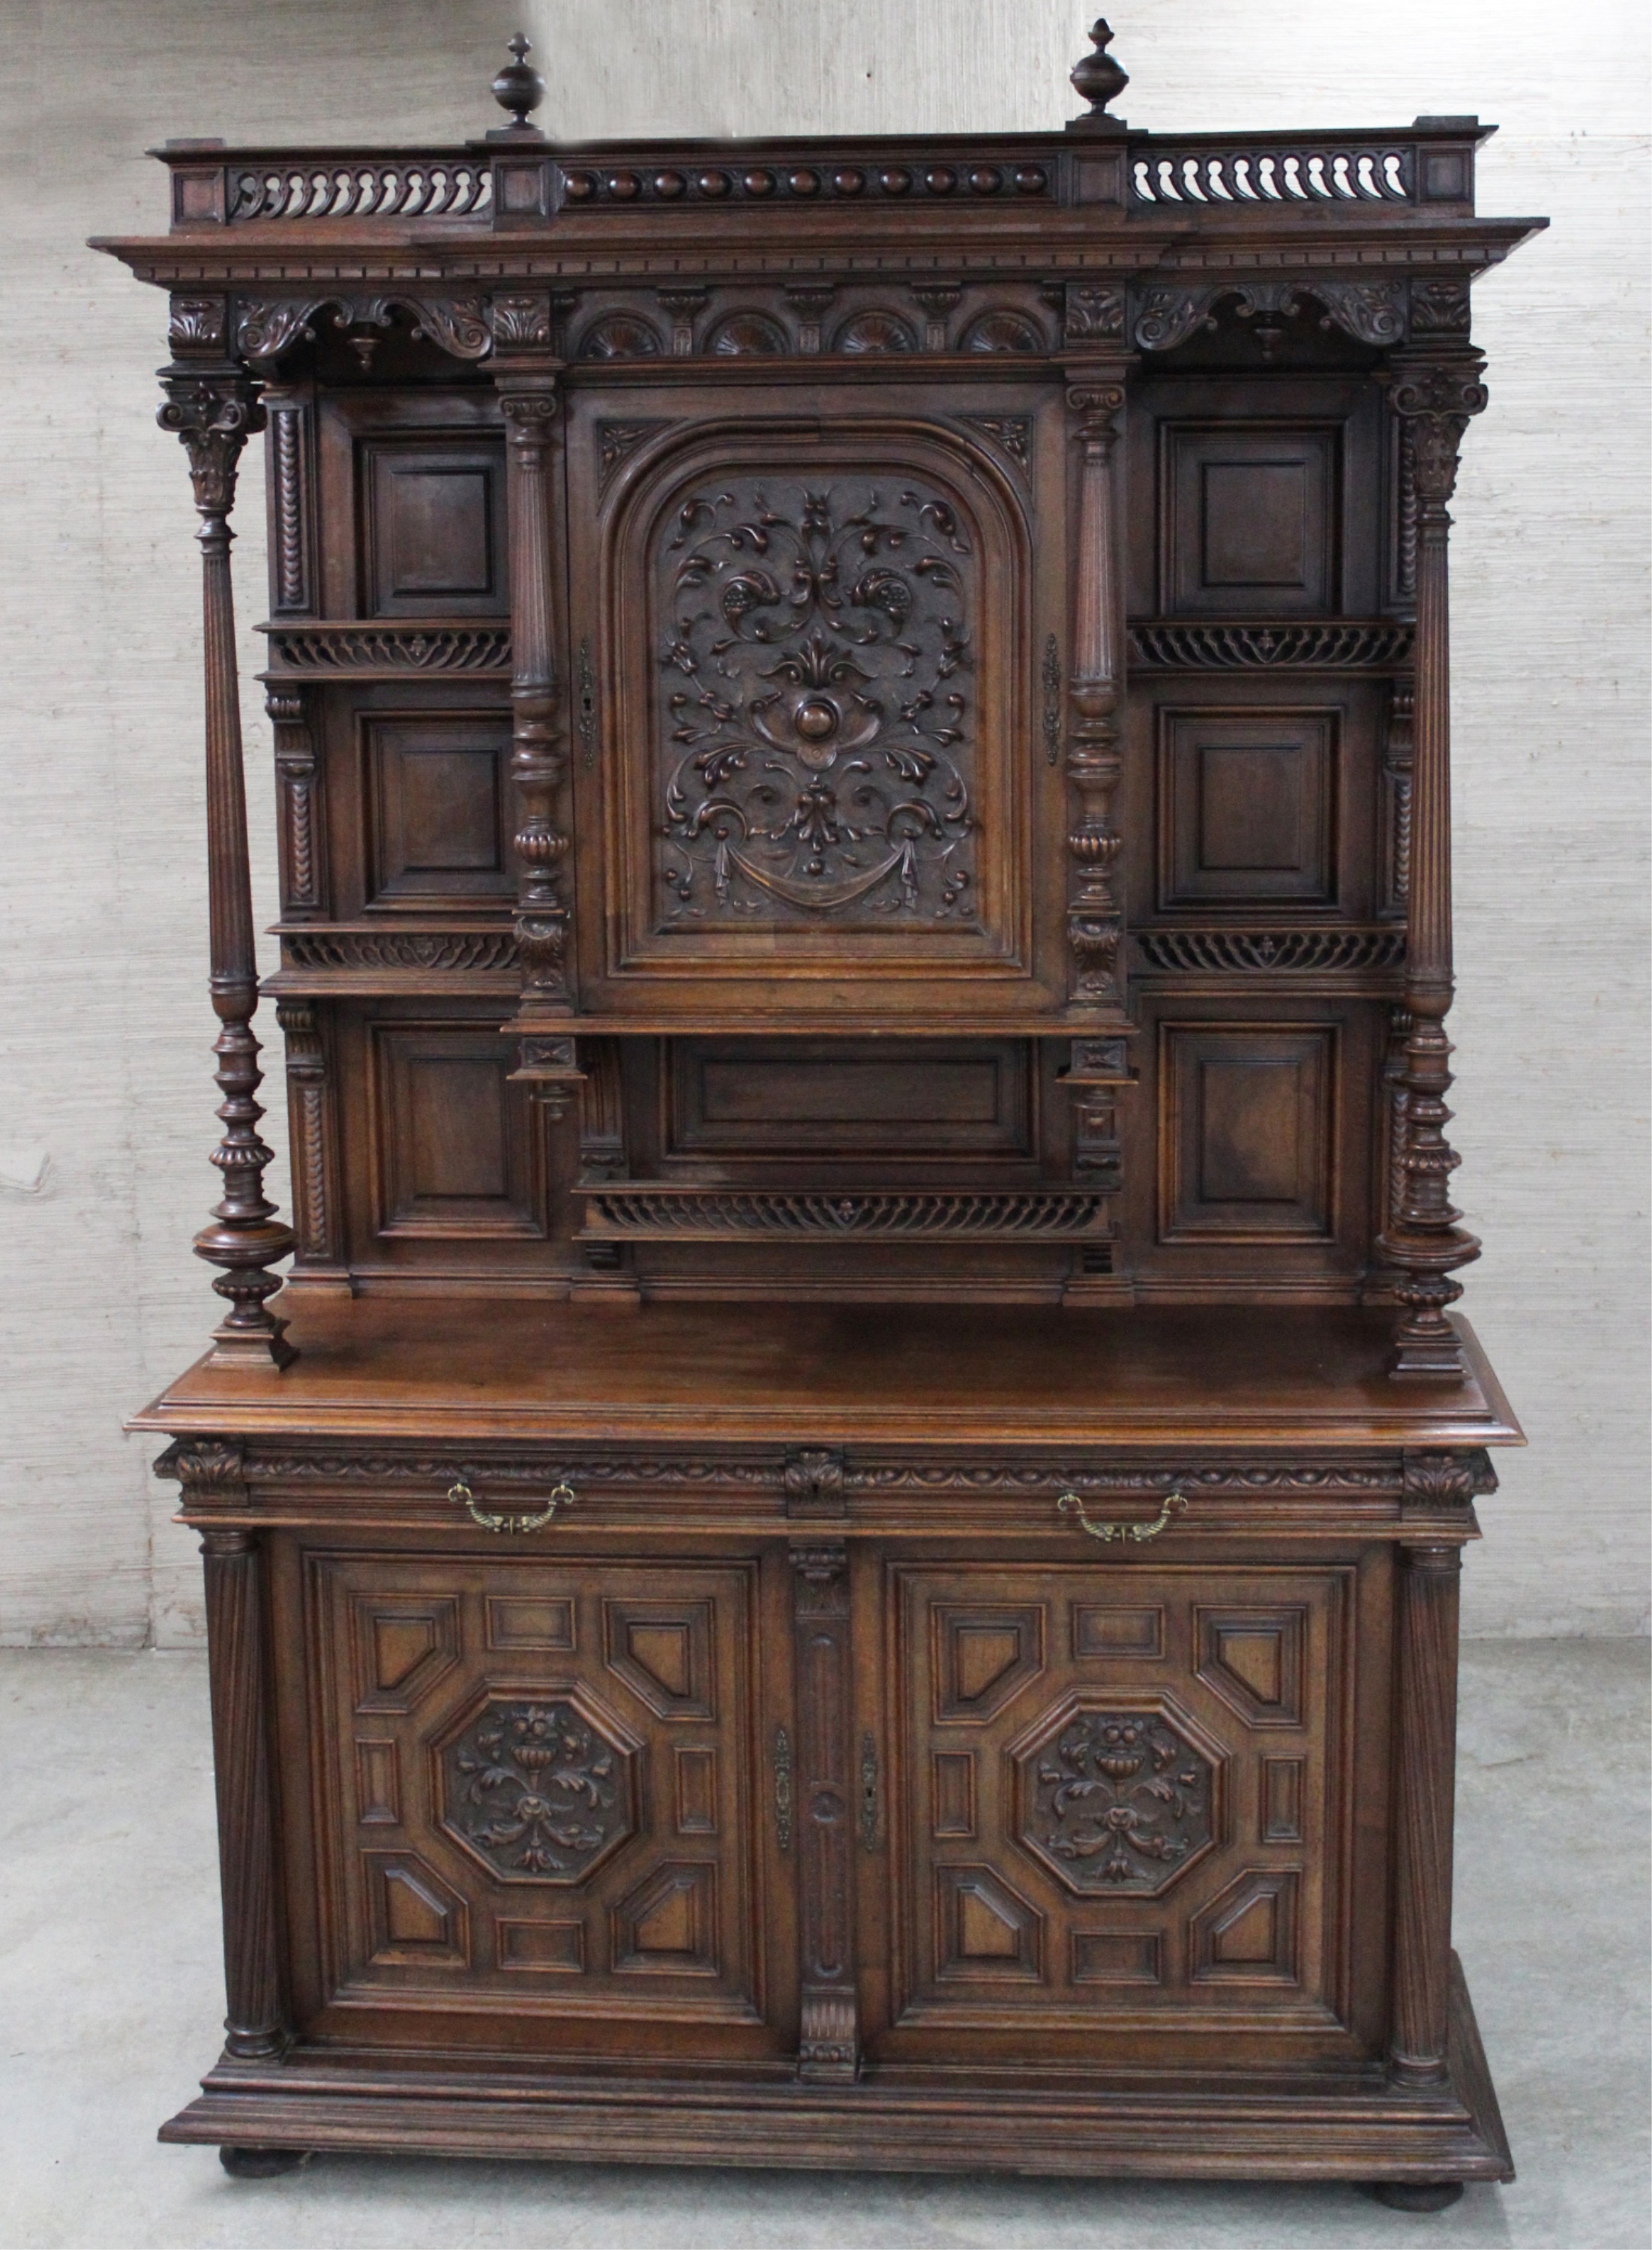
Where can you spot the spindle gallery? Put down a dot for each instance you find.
(841, 1544)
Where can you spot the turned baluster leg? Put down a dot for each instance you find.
(1427, 1734)
(214, 415)
(1434, 398)
(254, 2027)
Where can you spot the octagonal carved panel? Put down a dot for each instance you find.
(539, 1788)
(1116, 1800)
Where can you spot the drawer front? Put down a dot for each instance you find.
(533, 1784)
(1126, 1803)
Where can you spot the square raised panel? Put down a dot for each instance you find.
(1247, 807)
(1249, 524)
(437, 804)
(434, 534)
(1246, 1119)
(452, 1145)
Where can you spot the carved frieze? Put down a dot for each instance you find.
(1249, 951)
(360, 651)
(328, 948)
(817, 750)
(1338, 646)
(671, 1213)
(268, 327)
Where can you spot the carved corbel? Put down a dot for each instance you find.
(1095, 396)
(213, 415)
(938, 300)
(683, 304)
(809, 300)
(210, 1472)
(1434, 393)
(813, 1482)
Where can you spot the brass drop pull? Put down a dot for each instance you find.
(1069, 1504)
(562, 1495)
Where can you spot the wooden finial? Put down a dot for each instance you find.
(519, 89)
(1100, 79)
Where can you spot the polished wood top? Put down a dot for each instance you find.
(935, 1375)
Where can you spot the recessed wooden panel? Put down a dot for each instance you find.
(378, 1784)
(953, 1785)
(663, 1653)
(696, 1792)
(1247, 807)
(554, 1949)
(669, 1922)
(402, 1650)
(1249, 517)
(1108, 1629)
(513, 1621)
(1117, 1957)
(438, 806)
(1248, 1936)
(983, 1658)
(434, 534)
(453, 1150)
(755, 1097)
(1253, 1659)
(1246, 1126)
(1283, 1782)
(984, 1928)
(412, 1914)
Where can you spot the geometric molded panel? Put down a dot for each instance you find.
(1254, 1660)
(1117, 1957)
(1247, 1933)
(668, 1925)
(512, 1622)
(540, 1789)
(1104, 1629)
(1283, 1783)
(1247, 1119)
(1111, 1800)
(435, 529)
(378, 1784)
(981, 1658)
(661, 1651)
(1246, 808)
(1250, 520)
(438, 801)
(454, 1142)
(402, 1649)
(696, 1792)
(554, 1949)
(983, 1930)
(955, 1792)
(412, 1914)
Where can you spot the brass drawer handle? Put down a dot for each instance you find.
(562, 1497)
(1069, 1504)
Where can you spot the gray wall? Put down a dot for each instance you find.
(105, 1098)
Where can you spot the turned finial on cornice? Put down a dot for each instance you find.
(1100, 79)
(519, 89)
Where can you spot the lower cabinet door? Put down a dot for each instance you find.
(534, 1787)
(1138, 1814)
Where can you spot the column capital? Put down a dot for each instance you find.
(212, 415)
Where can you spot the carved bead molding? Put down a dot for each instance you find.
(1164, 315)
(212, 1469)
(847, 181)
(1434, 393)
(213, 415)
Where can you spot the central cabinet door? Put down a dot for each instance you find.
(1126, 1819)
(536, 1793)
(805, 630)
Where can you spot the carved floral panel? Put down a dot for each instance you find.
(816, 707)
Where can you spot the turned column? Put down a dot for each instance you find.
(254, 2025)
(539, 758)
(1426, 1780)
(213, 415)
(1095, 398)
(1434, 396)
(828, 2045)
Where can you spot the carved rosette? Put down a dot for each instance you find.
(538, 1790)
(817, 731)
(1114, 1801)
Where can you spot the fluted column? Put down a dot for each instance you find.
(1433, 394)
(213, 415)
(254, 2025)
(1426, 1780)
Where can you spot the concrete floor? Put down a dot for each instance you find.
(110, 2004)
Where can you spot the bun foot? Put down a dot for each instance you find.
(1418, 2195)
(261, 2164)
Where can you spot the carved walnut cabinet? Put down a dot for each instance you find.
(843, 1548)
